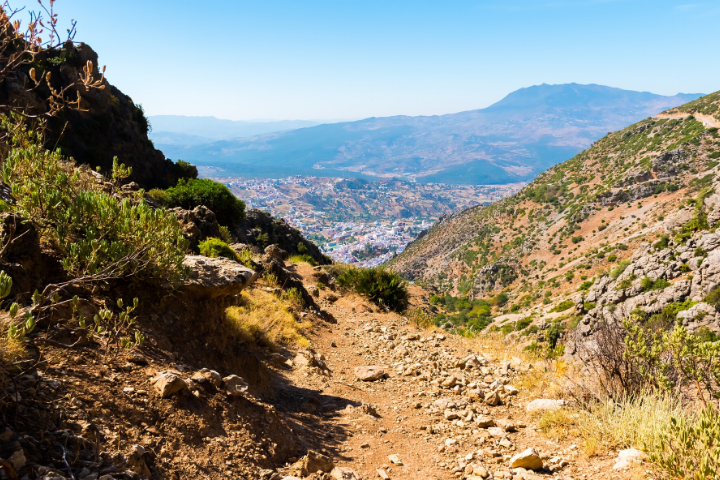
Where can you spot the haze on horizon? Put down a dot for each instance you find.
(322, 60)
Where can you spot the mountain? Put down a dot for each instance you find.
(512, 140)
(620, 204)
(182, 130)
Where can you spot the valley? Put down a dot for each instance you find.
(355, 220)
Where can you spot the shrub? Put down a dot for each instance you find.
(225, 234)
(662, 243)
(589, 305)
(562, 306)
(648, 284)
(214, 247)
(577, 239)
(190, 193)
(612, 258)
(499, 300)
(99, 235)
(380, 285)
(713, 298)
(183, 169)
(690, 449)
(523, 323)
(586, 285)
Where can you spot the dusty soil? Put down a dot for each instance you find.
(95, 409)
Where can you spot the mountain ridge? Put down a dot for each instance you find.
(492, 145)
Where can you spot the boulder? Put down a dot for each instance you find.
(235, 386)
(370, 373)
(168, 383)
(315, 462)
(484, 421)
(542, 404)
(210, 376)
(197, 224)
(395, 459)
(215, 277)
(528, 459)
(497, 432)
(275, 251)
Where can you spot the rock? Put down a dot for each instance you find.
(314, 462)
(507, 425)
(497, 432)
(343, 473)
(542, 404)
(450, 415)
(444, 403)
(291, 478)
(484, 421)
(529, 459)
(383, 474)
(492, 398)
(215, 277)
(235, 386)
(137, 462)
(626, 457)
(275, 251)
(370, 373)
(210, 376)
(480, 471)
(168, 383)
(395, 459)
(510, 390)
(17, 459)
(197, 224)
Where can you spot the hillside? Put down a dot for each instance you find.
(513, 140)
(580, 219)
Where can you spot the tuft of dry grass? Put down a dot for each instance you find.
(11, 350)
(265, 319)
(605, 425)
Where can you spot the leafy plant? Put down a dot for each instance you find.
(562, 306)
(113, 328)
(380, 285)
(190, 193)
(99, 235)
(214, 247)
(690, 449)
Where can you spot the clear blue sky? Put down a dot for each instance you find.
(348, 59)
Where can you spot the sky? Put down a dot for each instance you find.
(353, 59)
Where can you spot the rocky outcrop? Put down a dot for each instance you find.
(215, 277)
(494, 276)
(109, 123)
(197, 224)
(690, 270)
(261, 230)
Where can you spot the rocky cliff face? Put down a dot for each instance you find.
(108, 124)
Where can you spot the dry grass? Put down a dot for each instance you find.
(538, 378)
(264, 319)
(606, 425)
(10, 352)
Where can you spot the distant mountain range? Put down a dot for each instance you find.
(182, 130)
(512, 140)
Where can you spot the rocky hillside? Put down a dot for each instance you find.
(580, 219)
(108, 123)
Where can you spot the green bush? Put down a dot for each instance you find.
(562, 306)
(183, 169)
(214, 247)
(589, 305)
(612, 258)
(577, 239)
(499, 300)
(380, 285)
(190, 193)
(97, 233)
(523, 323)
(713, 298)
(648, 284)
(690, 448)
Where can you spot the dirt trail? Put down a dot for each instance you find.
(432, 423)
(706, 120)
